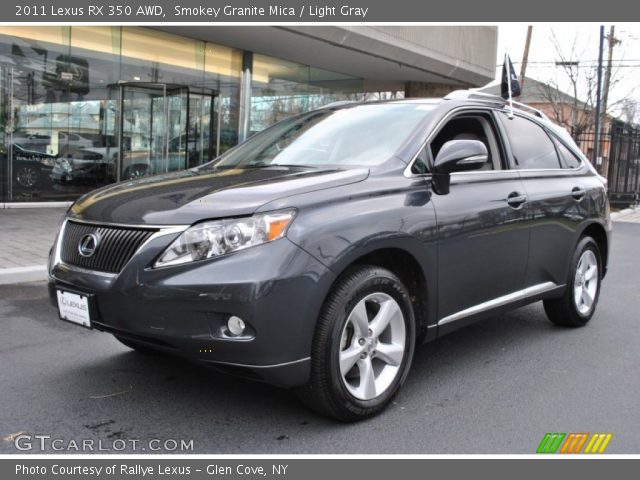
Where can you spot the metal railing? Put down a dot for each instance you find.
(619, 161)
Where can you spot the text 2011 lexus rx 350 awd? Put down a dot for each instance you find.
(320, 252)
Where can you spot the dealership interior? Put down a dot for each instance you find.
(82, 107)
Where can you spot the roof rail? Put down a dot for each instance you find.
(533, 110)
(489, 97)
(471, 95)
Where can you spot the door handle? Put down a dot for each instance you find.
(516, 199)
(578, 193)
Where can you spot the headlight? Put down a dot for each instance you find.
(211, 239)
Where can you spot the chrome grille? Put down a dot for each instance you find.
(115, 248)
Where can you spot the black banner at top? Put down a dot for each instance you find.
(326, 11)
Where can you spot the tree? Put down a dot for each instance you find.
(630, 111)
(574, 108)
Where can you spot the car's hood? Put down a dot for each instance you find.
(189, 196)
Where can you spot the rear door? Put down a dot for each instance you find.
(483, 237)
(556, 189)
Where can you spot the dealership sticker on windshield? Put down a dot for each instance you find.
(74, 308)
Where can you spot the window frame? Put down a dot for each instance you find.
(558, 142)
(545, 130)
(487, 114)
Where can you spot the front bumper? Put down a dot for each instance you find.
(276, 288)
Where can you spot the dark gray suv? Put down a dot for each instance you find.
(320, 252)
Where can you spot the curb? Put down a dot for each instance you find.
(38, 205)
(624, 213)
(33, 273)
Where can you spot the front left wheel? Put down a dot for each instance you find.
(363, 345)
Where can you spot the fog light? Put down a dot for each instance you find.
(236, 326)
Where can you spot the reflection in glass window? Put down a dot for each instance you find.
(280, 89)
(357, 135)
(66, 131)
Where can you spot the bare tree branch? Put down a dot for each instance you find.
(574, 108)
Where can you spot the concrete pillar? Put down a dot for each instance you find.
(430, 90)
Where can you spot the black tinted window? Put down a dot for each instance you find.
(419, 167)
(569, 159)
(530, 144)
(469, 127)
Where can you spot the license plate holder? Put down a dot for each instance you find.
(75, 307)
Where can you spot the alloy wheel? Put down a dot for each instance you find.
(136, 173)
(585, 283)
(372, 346)
(27, 177)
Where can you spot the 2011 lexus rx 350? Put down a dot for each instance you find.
(320, 252)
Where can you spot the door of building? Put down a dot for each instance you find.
(164, 128)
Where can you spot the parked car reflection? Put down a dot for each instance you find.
(31, 168)
(68, 143)
(97, 165)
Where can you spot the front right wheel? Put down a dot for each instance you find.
(363, 345)
(576, 307)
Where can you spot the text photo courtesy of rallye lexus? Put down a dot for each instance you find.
(319, 253)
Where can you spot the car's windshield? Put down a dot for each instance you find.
(359, 135)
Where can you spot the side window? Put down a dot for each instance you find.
(419, 167)
(530, 144)
(470, 127)
(569, 159)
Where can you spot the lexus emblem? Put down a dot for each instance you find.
(88, 245)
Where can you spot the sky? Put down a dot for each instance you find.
(542, 54)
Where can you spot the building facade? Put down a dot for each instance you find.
(84, 106)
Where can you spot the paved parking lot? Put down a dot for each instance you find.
(495, 387)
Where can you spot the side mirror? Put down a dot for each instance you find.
(457, 156)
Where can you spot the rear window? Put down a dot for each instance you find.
(569, 159)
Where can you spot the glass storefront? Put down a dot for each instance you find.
(280, 89)
(85, 106)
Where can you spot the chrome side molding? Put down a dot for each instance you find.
(500, 301)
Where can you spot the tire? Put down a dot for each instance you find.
(573, 309)
(138, 347)
(27, 177)
(134, 172)
(380, 358)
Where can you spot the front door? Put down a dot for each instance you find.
(483, 237)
